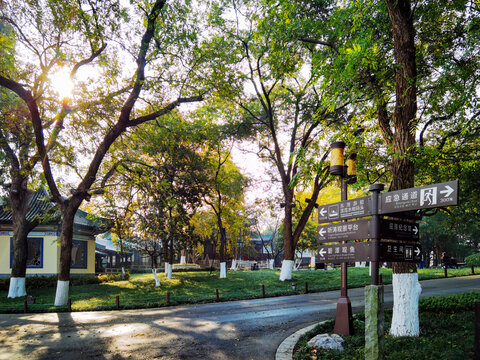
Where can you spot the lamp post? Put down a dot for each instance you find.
(347, 173)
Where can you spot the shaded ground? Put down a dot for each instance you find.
(234, 330)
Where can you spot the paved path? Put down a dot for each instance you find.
(234, 330)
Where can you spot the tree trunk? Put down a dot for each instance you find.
(19, 200)
(69, 209)
(405, 279)
(288, 241)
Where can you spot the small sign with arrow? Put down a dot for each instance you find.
(400, 252)
(399, 230)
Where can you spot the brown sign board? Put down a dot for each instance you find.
(344, 252)
(344, 210)
(399, 230)
(400, 252)
(362, 251)
(344, 231)
(425, 197)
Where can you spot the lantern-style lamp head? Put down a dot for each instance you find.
(351, 169)
(336, 158)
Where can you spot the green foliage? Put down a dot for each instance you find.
(450, 304)
(113, 277)
(450, 336)
(473, 260)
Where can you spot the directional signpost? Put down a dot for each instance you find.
(400, 252)
(352, 230)
(399, 230)
(425, 197)
(363, 251)
(344, 210)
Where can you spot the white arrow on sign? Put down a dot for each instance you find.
(322, 212)
(322, 252)
(447, 192)
(417, 251)
(321, 232)
(415, 230)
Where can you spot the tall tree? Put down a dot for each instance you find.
(258, 67)
(19, 156)
(83, 41)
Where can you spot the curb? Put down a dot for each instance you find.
(285, 349)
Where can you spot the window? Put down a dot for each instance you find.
(34, 253)
(79, 254)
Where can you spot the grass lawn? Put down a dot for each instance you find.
(196, 287)
(450, 336)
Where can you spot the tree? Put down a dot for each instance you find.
(225, 198)
(107, 114)
(289, 113)
(18, 149)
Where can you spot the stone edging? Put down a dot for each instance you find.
(285, 350)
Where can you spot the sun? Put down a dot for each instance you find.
(62, 83)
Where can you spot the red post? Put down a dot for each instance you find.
(263, 290)
(69, 304)
(117, 300)
(25, 306)
(168, 298)
(306, 287)
(218, 295)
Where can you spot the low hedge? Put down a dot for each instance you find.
(38, 282)
(450, 304)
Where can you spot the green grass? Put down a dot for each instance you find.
(197, 287)
(450, 336)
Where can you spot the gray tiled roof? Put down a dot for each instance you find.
(39, 204)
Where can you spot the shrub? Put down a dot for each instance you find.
(473, 260)
(4, 283)
(113, 277)
(450, 304)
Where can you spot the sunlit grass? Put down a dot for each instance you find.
(195, 287)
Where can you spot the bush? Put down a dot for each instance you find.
(113, 277)
(450, 304)
(473, 260)
(4, 283)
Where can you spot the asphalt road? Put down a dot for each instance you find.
(233, 330)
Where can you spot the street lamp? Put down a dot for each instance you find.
(347, 172)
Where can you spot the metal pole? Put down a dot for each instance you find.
(375, 189)
(344, 317)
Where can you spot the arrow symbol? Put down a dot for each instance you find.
(322, 252)
(323, 212)
(415, 230)
(321, 232)
(417, 251)
(447, 192)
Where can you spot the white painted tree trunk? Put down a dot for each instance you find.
(223, 270)
(61, 296)
(183, 260)
(169, 271)
(286, 272)
(234, 265)
(123, 271)
(17, 287)
(166, 268)
(297, 264)
(406, 293)
(157, 280)
(271, 264)
(312, 262)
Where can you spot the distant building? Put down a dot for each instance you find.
(43, 242)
